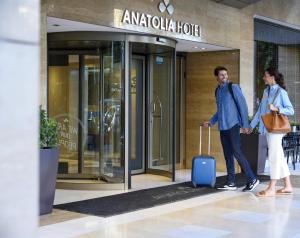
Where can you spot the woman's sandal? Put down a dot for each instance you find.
(283, 192)
(264, 194)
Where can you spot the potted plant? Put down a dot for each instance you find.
(49, 155)
(255, 147)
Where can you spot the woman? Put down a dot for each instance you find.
(276, 93)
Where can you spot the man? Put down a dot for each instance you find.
(231, 115)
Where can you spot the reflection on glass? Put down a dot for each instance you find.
(112, 161)
(286, 57)
(63, 106)
(137, 114)
(85, 95)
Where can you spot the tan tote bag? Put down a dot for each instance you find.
(276, 122)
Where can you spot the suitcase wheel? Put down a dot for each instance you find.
(194, 185)
(212, 185)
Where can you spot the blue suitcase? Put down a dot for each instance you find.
(204, 166)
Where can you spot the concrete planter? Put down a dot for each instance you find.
(255, 148)
(48, 172)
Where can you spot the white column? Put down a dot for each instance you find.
(19, 77)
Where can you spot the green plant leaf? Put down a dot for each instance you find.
(48, 131)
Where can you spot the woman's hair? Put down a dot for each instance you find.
(277, 75)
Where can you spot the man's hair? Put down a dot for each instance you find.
(218, 69)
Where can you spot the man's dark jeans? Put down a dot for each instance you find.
(231, 142)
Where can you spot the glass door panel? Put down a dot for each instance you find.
(86, 96)
(63, 107)
(91, 114)
(137, 114)
(112, 158)
(160, 112)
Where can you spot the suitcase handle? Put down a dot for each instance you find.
(200, 143)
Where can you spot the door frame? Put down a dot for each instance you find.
(180, 148)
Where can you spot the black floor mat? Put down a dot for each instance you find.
(146, 198)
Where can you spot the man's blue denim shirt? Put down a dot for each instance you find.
(227, 114)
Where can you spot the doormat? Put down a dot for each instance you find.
(146, 198)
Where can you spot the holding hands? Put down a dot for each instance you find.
(246, 130)
(207, 124)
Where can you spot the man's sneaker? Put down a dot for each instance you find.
(250, 186)
(228, 186)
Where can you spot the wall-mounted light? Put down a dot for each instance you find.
(160, 39)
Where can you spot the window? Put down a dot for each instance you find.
(278, 46)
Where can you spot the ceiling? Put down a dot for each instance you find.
(237, 3)
(63, 25)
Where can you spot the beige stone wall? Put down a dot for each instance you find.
(219, 22)
(88, 11)
(221, 25)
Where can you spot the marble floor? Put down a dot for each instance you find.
(225, 214)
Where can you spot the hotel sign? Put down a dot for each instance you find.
(152, 22)
(160, 23)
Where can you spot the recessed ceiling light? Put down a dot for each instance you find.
(195, 47)
(203, 48)
(55, 25)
